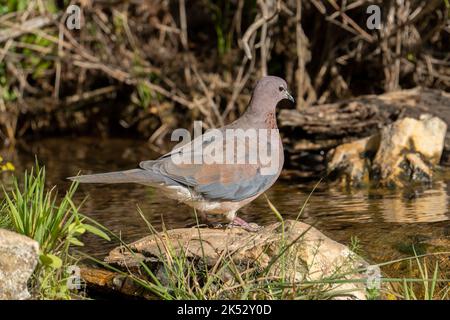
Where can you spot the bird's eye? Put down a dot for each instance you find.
(281, 88)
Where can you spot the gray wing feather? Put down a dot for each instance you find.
(237, 191)
(239, 188)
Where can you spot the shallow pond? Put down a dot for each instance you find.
(386, 222)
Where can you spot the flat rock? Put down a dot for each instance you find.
(18, 258)
(312, 255)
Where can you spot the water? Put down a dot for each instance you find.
(385, 222)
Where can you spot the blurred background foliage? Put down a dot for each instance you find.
(145, 67)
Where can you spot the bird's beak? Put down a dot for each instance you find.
(289, 96)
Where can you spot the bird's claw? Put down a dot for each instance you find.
(251, 227)
(206, 225)
(237, 222)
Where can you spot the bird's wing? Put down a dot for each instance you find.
(214, 181)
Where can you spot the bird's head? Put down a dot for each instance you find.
(269, 91)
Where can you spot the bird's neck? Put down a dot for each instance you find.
(261, 117)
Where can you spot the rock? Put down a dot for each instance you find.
(403, 152)
(312, 256)
(18, 258)
(351, 160)
(311, 131)
(409, 150)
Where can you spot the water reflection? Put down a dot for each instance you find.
(430, 206)
(368, 205)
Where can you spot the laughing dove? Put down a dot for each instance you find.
(223, 169)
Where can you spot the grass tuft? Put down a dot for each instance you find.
(32, 210)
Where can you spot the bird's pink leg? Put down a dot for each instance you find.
(239, 222)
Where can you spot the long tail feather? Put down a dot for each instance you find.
(127, 176)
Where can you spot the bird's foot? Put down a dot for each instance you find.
(196, 225)
(213, 225)
(238, 222)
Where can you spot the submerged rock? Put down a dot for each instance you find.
(311, 256)
(18, 258)
(403, 152)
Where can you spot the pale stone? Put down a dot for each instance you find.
(409, 149)
(351, 159)
(404, 151)
(313, 256)
(18, 258)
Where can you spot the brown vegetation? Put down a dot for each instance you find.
(150, 66)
